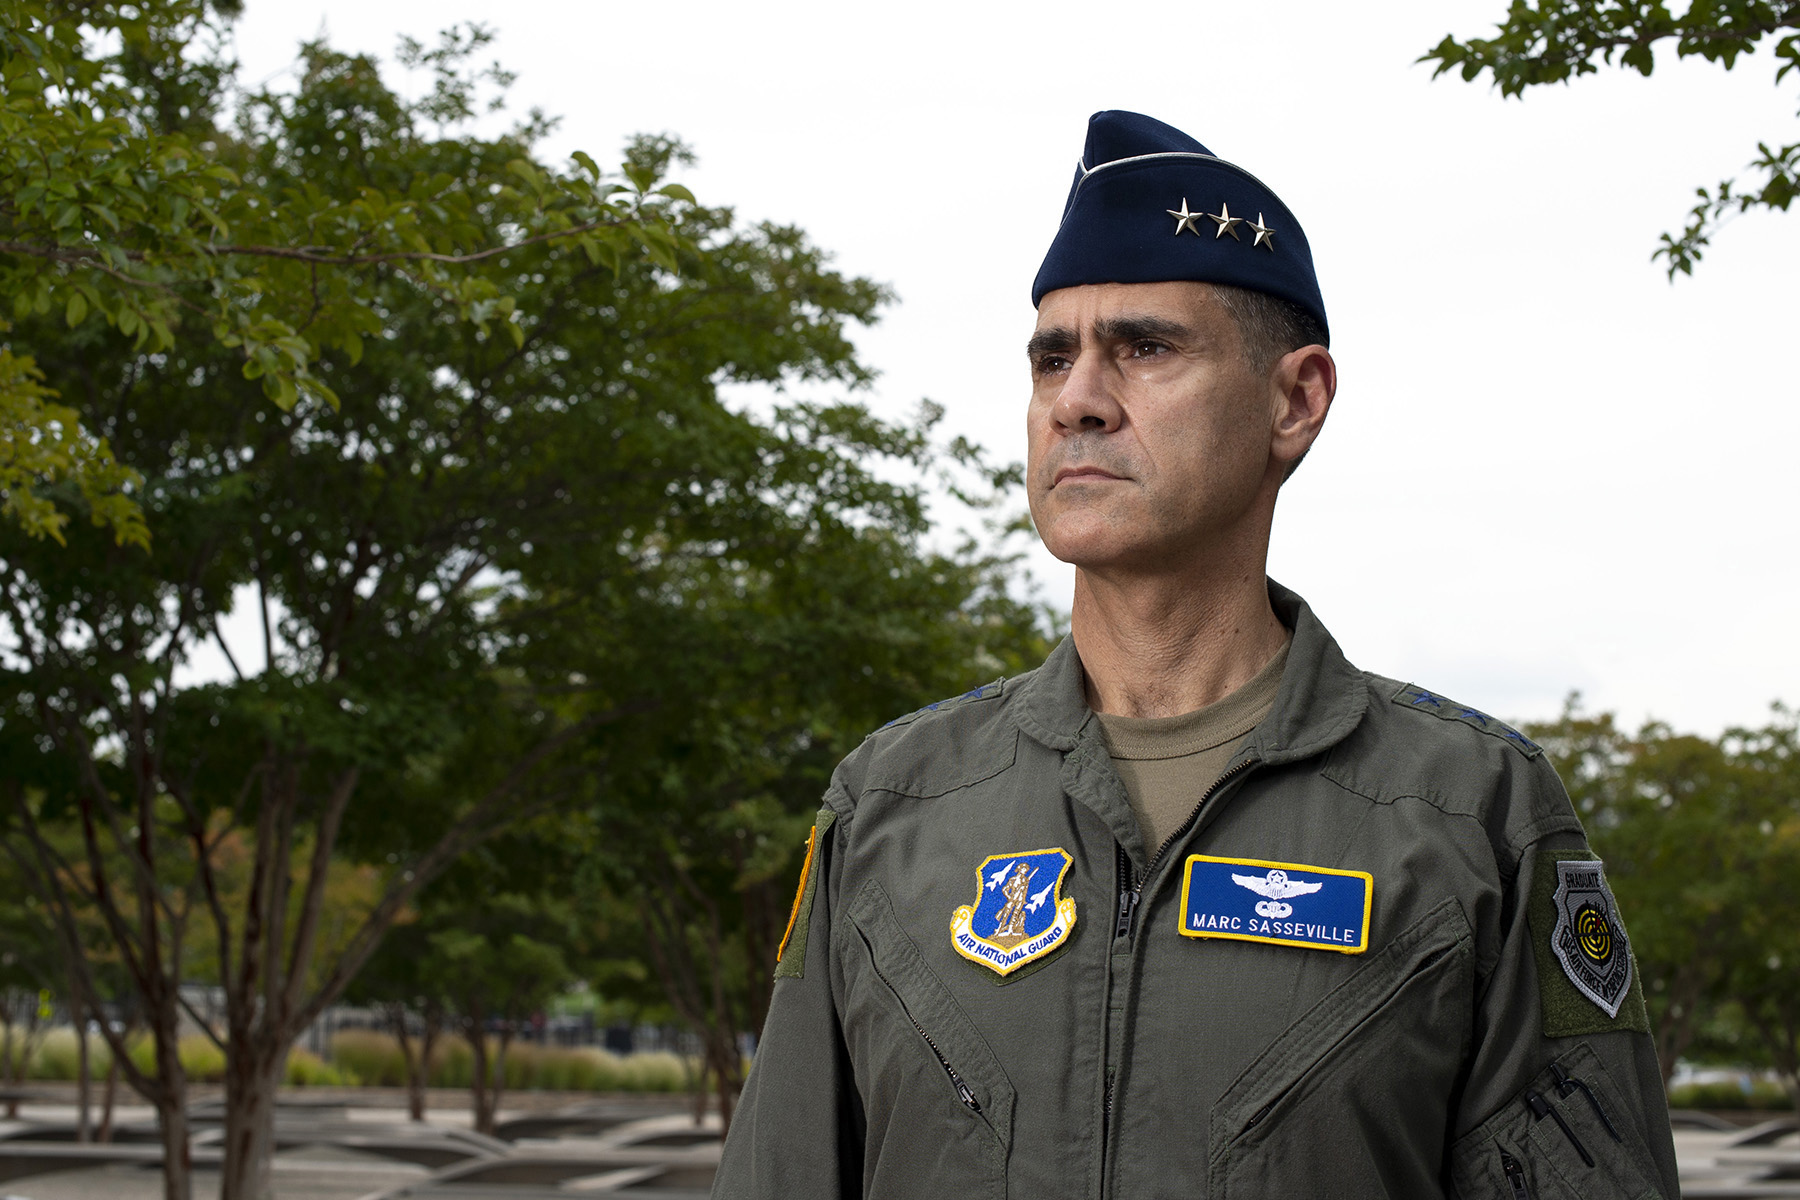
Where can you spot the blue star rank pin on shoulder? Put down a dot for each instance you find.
(1283, 904)
(1019, 914)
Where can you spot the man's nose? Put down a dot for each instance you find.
(1088, 402)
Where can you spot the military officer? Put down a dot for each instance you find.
(1196, 908)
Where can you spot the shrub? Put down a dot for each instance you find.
(1729, 1094)
(56, 1056)
(375, 1058)
(202, 1061)
(306, 1069)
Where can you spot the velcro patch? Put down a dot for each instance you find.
(1019, 914)
(1284, 904)
(790, 959)
(1414, 697)
(1586, 976)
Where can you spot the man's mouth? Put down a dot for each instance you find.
(1082, 474)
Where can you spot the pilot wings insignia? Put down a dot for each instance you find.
(1277, 887)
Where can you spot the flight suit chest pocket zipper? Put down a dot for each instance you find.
(932, 1029)
(1373, 1057)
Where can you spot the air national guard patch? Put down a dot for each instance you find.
(1019, 914)
(1285, 904)
(1588, 938)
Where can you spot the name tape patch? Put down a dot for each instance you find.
(1284, 904)
(1019, 914)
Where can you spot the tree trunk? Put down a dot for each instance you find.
(1676, 1029)
(499, 1081)
(252, 1077)
(415, 1069)
(727, 1070)
(84, 1088)
(6, 1058)
(478, 1085)
(108, 1096)
(178, 1162)
(434, 1025)
(170, 1097)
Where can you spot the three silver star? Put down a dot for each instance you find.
(1264, 235)
(1185, 219)
(1226, 223)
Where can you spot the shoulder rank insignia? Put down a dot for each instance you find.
(1415, 697)
(1588, 938)
(1285, 904)
(986, 691)
(1019, 914)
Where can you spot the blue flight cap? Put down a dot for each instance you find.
(1151, 204)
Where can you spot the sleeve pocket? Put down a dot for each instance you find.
(1564, 1137)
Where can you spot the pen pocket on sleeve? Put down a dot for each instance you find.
(1564, 1137)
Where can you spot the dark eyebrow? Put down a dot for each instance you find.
(1061, 339)
(1051, 341)
(1134, 328)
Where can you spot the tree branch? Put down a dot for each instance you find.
(312, 902)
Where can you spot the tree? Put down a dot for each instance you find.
(480, 579)
(1765, 978)
(1690, 830)
(401, 981)
(1554, 41)
(122, 203)
(703, 829)
(28, 976)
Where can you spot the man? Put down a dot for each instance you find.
(1196, 908)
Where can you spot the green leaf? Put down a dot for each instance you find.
(76, 310)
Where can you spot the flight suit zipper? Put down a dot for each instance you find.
(1131, 895)
(964, 1092)
(1515, 1176)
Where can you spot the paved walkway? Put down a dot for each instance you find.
(361, 1146)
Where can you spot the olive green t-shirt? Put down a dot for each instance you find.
(1167, 763)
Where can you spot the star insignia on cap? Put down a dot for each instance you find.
(1185, 219)
(1226, 223)
(1264, 235)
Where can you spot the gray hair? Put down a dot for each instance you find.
(1269, 327)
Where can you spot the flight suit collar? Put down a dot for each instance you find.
(1321, 699)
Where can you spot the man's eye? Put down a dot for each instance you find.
(1147, 349)
(1051, 364)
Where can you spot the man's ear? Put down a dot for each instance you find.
(1301, 386)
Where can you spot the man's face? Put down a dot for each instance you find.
(1149, 433)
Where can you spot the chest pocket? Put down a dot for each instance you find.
(1566, 1137)
(938, 1105)
(1349, 1101)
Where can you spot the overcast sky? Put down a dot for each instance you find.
(1547, 468)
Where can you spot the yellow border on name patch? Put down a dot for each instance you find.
(1187, 878)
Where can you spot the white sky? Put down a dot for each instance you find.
(1547, 468)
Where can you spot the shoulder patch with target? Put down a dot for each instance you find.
(1586, 974)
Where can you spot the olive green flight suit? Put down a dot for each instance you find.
(1451, 1057)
